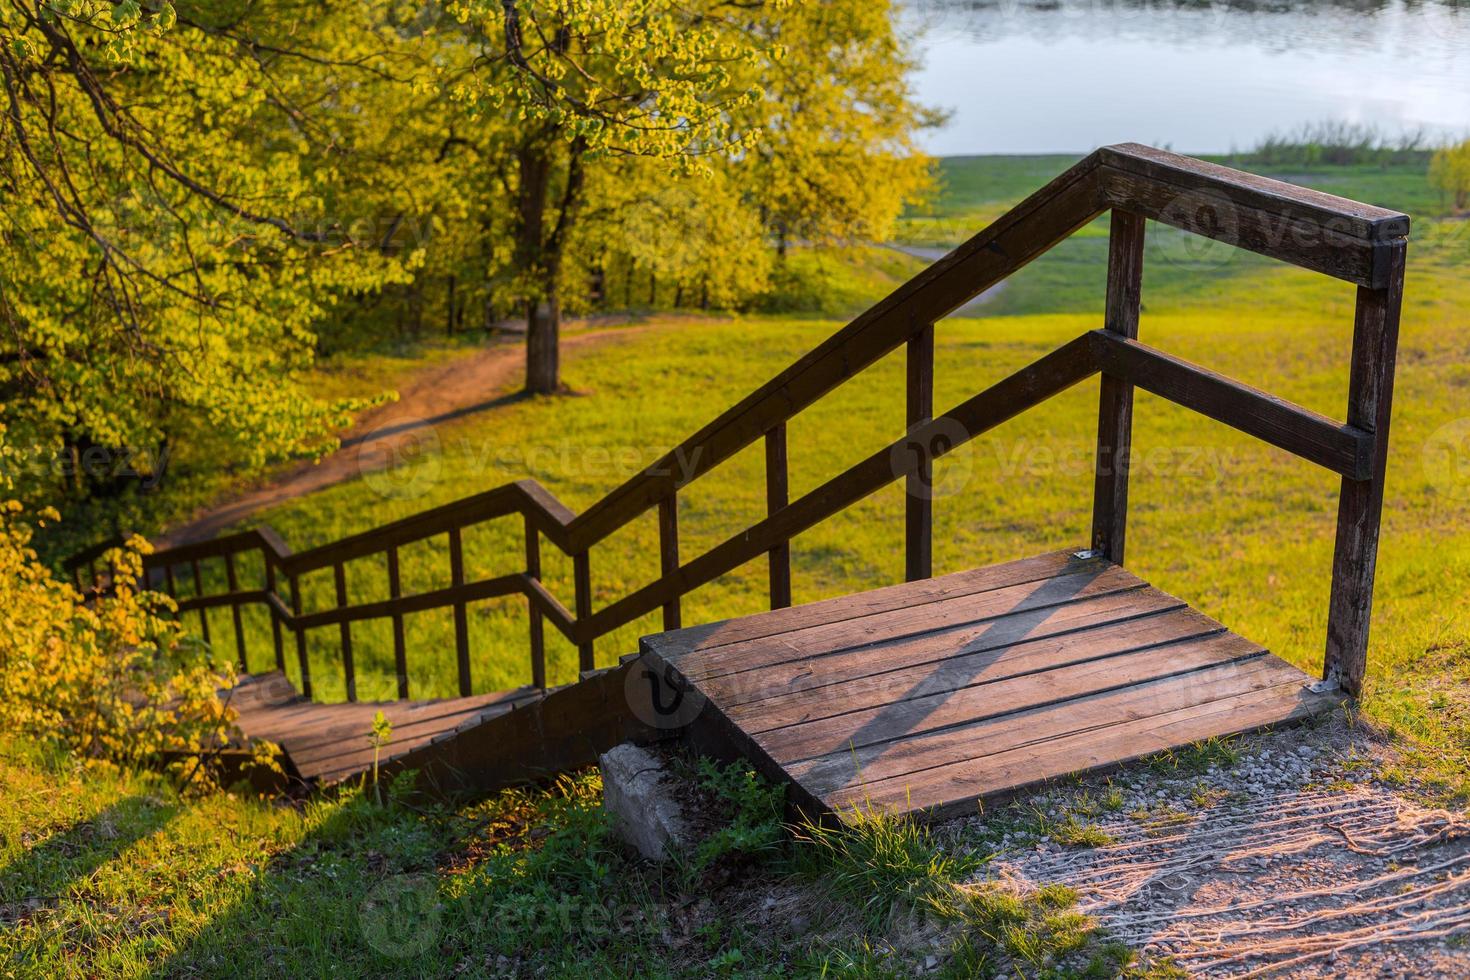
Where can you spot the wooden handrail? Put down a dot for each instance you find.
(1355, 242)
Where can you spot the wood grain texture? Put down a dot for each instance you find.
(929, 706)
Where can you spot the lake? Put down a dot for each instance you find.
(1038, 76)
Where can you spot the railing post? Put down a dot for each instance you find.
(233, 583)
(301, 659)
(582, 576)
(538, 624)
(1360, 505)
(400, 649)
(461, 613)
(668, 553)
(349, 672)
(1115, 407)
(777, 496)
(270, 586)
(919, 499)
(203, 612)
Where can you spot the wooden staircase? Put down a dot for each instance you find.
(925, 696)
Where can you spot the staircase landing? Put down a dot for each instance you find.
(325, 744)
(930, 696)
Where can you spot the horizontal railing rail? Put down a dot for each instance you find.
(1354, 242)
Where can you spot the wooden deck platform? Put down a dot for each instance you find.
(930, 696)
(327, 743)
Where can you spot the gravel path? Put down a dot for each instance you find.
(1285, 854)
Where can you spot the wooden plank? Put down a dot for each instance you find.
(1061, 369)
(874, 764)
(344, 633)
(954, 789)
(777, 497)
(916, 711)
(490, 588)
(668, 552)
(1343, 448)
(1010, 602)
(1115, 402)
(1360, 504)
(962, 658)
(400, 646)
(461, 613)
(673, 647)
(1352, 218)
(919, 500)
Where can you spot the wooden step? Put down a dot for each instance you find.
(933, 696)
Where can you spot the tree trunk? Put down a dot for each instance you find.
(543, 355)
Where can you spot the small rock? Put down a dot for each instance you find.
(636, 792)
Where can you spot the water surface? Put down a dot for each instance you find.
(1036, 76)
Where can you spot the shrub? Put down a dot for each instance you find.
(1449, 173)
(109, 679)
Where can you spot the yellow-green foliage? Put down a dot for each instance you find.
(1449, 172)
(113, 678)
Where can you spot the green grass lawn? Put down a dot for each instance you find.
(1241, 530)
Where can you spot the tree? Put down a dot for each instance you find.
(170, 231)
(590, 81)
(1449, 173)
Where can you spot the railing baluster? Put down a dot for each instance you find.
(668, 554)
(270, 586)
(168, 578)
(349, 671)
(203, 613)
(1115, 404)
(461, 613)
(1360, 505)
(301, 659)
(582, 576)
(537, 624)
(777, 496)
(233, 583)
(400, 648)
(919, 500)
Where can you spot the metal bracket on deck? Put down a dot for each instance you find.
(1322, 687)
(1087, 554)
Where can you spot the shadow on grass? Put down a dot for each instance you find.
(45, 872)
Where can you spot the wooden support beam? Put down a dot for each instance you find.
(461, 612)
(1115, 404)
(918, 537)
(1360, 506)
(400, 646)
(302, 662)
(582, 585)
(344, 630)
(232, 582)
(777, 495)
(668, 553)
(533, 611)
